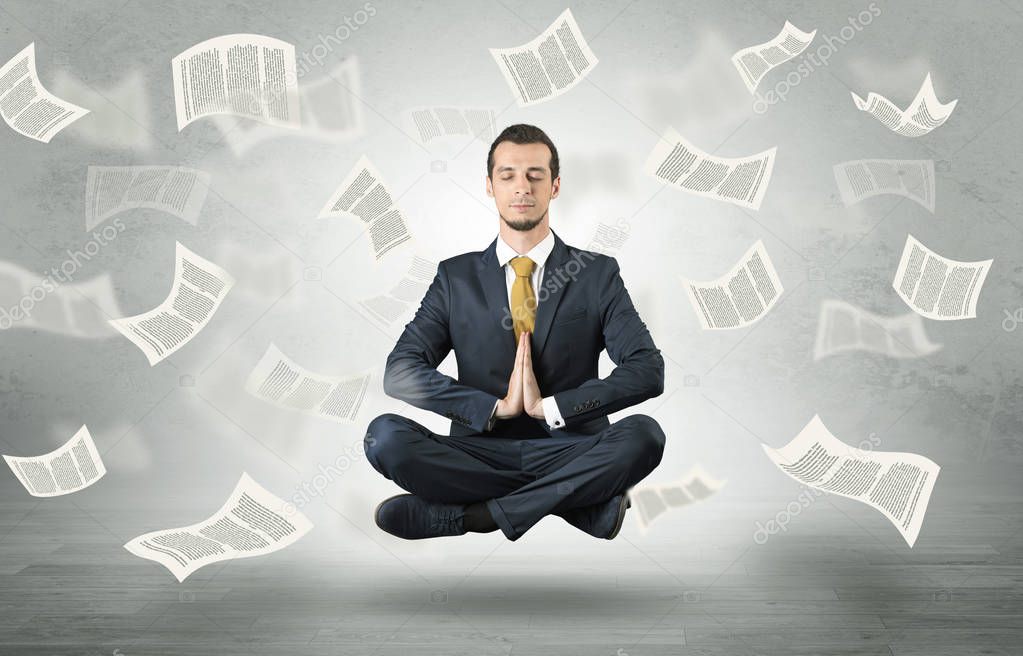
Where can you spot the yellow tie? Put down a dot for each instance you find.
(523, 307)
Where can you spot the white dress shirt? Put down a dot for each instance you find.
(539, 255)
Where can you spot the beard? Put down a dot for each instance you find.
(523, 225)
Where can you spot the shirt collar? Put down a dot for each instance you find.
(538, 253)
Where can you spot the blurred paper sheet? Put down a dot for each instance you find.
(279, 380)
(844, 327)
(653, 501)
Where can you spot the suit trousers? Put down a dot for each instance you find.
(521, 481)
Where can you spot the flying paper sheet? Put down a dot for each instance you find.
(245, 75)
(549, 65)
(937, 287)
(653, 501)
(429, 123)
(198, 290)
(280, 381)
(389, 307)
(741, 180)
(252, 522)
(26, 106)
(754, 62)
(330, 109)
(74, 309)
(607, 239)
(176, 190)
(865, 178)
(741, 296)
(74, 466)
(845, 327)
(364, 195)
(922, 115)
(897, 484)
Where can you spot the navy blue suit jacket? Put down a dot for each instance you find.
(583, 308)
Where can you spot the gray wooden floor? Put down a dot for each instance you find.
(839, 580)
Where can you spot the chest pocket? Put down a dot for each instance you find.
(567, 314)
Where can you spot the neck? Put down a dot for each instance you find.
(523, 242)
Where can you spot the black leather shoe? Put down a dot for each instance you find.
(407, 516)
(601, 520)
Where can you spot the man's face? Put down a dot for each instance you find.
(520, 183)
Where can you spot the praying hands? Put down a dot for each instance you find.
(523, 390)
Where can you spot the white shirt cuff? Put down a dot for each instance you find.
(493, 417)
(552, 414)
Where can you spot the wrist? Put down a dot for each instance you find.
(504, 410)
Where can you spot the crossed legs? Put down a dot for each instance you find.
(521, 481)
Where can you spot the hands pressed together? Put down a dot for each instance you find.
(523, 390)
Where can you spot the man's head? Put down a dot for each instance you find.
(522, 175)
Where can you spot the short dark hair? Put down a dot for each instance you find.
(522, 133)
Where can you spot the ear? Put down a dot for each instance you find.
(490, 187)
(555, 187)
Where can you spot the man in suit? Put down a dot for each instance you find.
(527, 319)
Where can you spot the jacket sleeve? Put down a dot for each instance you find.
(639, 367)
(411, 372)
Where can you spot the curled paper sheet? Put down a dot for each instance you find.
(549, 65)
(74, 466)
(252, 522)
(896, 484)
(937, 287)
(26, 106)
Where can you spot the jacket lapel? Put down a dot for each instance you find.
(495, 288)
(548, 296)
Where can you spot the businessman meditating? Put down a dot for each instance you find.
(527, 319)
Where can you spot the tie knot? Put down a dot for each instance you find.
(523, 265)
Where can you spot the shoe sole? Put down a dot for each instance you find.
(376, 511)
(626, 503)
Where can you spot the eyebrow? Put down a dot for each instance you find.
(541, 169)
